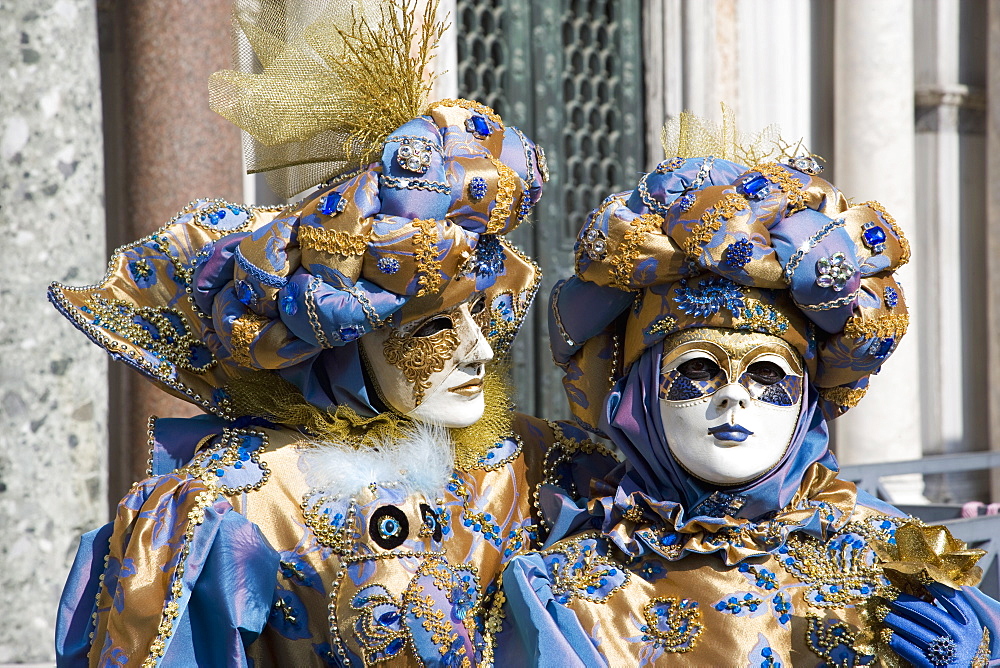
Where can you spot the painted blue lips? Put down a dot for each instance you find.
(730, 432)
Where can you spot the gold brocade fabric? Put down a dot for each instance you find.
(733, 594)
(394, 577)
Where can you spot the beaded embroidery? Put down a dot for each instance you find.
(623, 263)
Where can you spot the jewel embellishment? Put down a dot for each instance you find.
(703, 172)
(807, 164)
(289, 303)
(873, 237)
(754, 187)
(348, 334)
(414, 155)
(477, 188)
(884, 347)
(710, 295)
(891, 296)
(388, 265)
(332, 204)
(834, 271)
(687, 201)
(543, 164)
(595, 244)
(478, 126)
(738, 254)
(245, 293)
(940, 651)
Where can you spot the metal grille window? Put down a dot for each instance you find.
(569, 73)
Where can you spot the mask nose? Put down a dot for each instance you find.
(731, 397)
(480, 352)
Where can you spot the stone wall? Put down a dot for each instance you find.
(53, 386)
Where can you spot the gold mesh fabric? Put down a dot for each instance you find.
(321, 84)
(689, 136)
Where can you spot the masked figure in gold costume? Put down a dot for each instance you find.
(743, 308)
(359, 477)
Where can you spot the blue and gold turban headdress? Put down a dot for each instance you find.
(225, 298)
(708, 242)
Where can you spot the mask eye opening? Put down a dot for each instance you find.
(766, 372)
(433, 325)
(699, 368)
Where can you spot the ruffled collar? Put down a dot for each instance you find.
(639, 525)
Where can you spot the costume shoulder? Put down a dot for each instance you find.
(147, 585)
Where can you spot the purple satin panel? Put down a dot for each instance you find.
(215, 272)
(632, 421)
(232, 589)
(333, 378)
(584, 309)
(76, 605)
(175, 440)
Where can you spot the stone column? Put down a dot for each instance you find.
(165, 148)
(53, 384)
(873, 159)
(993, 231)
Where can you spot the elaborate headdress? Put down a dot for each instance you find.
(223, 297)
(706, 242)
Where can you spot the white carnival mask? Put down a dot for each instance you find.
(729, 402)
(432, 369)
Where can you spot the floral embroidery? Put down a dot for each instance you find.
(578, 570)
(671, 624)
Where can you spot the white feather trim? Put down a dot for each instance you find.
(421, 462)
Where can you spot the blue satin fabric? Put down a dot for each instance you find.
(76, 605)
(545, 633)
(229, 582)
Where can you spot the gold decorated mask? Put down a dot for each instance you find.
(432, 369)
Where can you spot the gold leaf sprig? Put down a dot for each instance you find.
(385, 70)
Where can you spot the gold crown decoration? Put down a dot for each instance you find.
(322, 84)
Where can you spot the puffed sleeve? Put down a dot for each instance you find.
(538, 630)
(182, 579)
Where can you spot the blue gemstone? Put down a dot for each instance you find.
(388, 265)
(757, 187)
(478, 126)
(388, 618)
(245, 293)
(331, 204)
(289, 306)
(873, 236)
(884, 348)
(222, 213)
(891, 296)
(738, 254)
(687, 201)
(477, 188)
(394, 647)
(348, 334)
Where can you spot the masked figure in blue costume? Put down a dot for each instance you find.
(719, 317)
(360, 477)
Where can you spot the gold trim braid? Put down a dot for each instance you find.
(332, 241)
